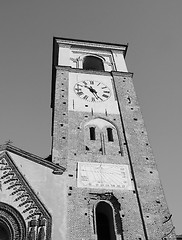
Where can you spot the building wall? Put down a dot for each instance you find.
(42, 188)
(143, 211)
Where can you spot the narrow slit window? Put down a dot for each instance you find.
(110, 135)
(92, 133)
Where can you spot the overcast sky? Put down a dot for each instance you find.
(153, 29)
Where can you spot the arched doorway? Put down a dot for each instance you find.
(105, 222)
(12, 224)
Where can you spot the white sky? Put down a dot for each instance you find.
(154, 32)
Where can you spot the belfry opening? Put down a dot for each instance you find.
(93, 63)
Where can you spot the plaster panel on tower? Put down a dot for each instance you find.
(64, 55)
(119, 60)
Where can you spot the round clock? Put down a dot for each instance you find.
(92, 91)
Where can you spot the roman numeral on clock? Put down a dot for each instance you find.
(104, 95)
(79, 85)
(85, 97)
(79, 93)
(78, 89)
(85, 82)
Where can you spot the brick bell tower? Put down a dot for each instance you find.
(112, 189)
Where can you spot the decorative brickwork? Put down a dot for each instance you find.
(60, 124)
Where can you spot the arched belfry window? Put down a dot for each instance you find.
(105, 222)
(93, 63)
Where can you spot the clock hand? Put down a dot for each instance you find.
(86, 87)
(98, 96)
(94, 92)
(95, 95)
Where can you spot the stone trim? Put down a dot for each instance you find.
(109, 196)
(56, 168)
(94, 44)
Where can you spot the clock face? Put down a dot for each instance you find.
(92, 91)
(104, 175)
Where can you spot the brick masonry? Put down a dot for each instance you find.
(138, 214)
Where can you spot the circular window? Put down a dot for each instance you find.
(12, 225)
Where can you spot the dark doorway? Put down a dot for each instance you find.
(105, 222)
(93, 63)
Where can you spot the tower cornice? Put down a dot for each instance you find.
(92, 44)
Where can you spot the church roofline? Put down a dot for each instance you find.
(10, 148)
(88, 43)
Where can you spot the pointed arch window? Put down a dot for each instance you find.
(93, 63)
(105, 222)
(110, 135)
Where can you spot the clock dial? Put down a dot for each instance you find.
(92, 91)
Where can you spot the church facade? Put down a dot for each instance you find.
(101, 181)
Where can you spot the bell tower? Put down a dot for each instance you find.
(112, 187)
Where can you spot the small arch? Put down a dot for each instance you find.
(105, 222)
(93, 63)
(100, 123)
